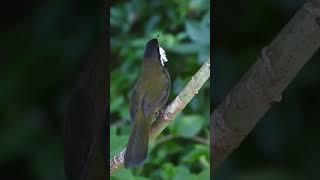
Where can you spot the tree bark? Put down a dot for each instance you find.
(264, 82)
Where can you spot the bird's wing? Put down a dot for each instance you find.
(153, 100)
(134, 101)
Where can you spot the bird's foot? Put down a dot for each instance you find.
(161, 112)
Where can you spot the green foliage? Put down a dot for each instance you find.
(168, 171)
(117, 141)
(184, 32)
(187, 126)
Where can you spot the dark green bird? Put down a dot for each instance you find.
(150, 94)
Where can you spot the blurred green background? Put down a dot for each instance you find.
(285, 144)
(181, 152)
(43, 44)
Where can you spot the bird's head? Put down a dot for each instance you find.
(153, 50)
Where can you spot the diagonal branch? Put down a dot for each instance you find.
(176, 106)
(265, 82)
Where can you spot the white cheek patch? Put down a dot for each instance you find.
(163, 56)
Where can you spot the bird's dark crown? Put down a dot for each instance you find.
(152, 49)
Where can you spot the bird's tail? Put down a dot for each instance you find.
(137, 148)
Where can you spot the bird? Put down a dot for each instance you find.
(149, 96)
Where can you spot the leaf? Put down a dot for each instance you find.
(205, 22)
(123, 174)
(186, 48)
(197, 33)
(183, 174)
(203, 54)
(167, 149)
(141, 178)
(168, 171)
(124, 111)
(205, 174)
(196, 153)
(188, 126)
(152, 23)
(173, 148)
(199, 5)
(116, 103)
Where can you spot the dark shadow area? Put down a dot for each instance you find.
(44, 47)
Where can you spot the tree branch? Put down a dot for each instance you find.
(176, 106)
(264, 83)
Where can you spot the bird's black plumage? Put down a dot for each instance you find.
(149, 95)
